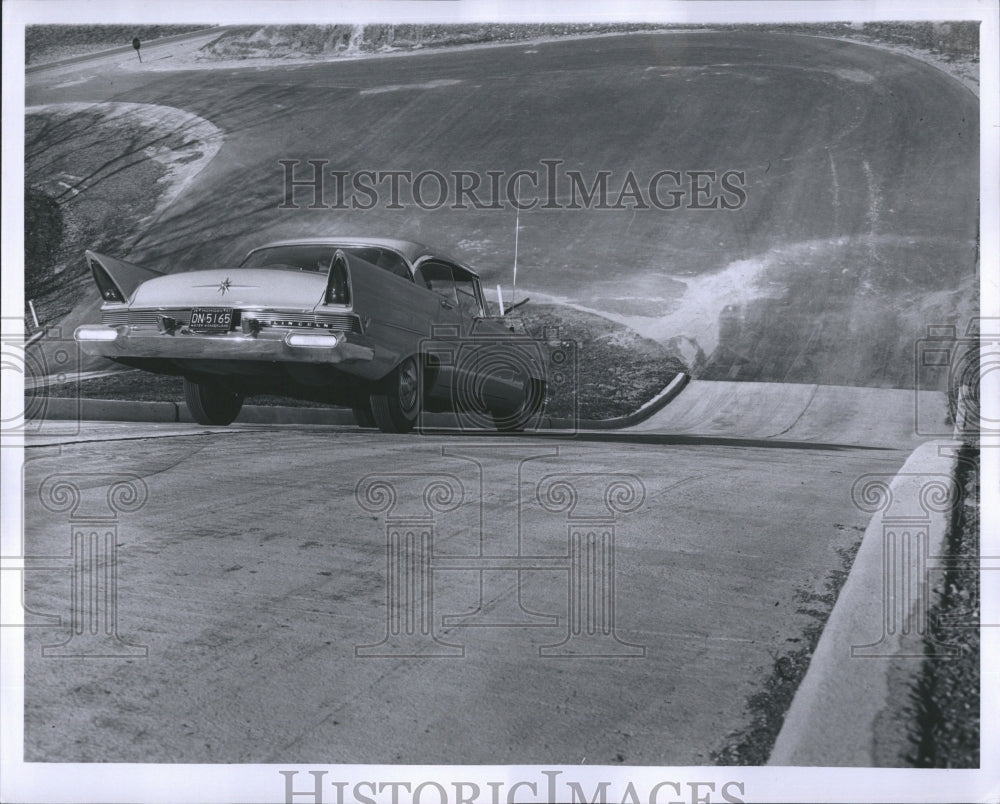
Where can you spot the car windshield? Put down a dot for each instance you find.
(318, 257)
(467, 298)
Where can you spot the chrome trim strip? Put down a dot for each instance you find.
(329, 321)
(186, 345)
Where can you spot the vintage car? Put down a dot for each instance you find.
(386, 327)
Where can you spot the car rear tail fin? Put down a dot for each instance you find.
(338, 287)
(117, 279)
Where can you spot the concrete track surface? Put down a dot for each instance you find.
(255, 574)
(793, 412)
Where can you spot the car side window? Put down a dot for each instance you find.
(383, 258)
(437, 276)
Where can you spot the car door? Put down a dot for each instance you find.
(449, 327)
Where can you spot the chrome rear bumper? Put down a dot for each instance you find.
(301, 347)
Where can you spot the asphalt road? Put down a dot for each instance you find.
(252, 573)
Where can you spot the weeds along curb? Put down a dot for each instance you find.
(854, 688)
(767, 708)
(947, 699)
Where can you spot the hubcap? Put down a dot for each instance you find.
(408, 387)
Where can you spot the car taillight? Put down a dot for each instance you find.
(109, 290)
(95, 333)
(324, 341)
(338, 290)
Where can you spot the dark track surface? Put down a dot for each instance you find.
(861, 178)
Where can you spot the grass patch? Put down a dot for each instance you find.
(947, 696)
(944, 705)
(949, 40)
(43, 233)
(766, 710)
(617, 370)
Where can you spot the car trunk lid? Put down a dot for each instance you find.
(235, 287)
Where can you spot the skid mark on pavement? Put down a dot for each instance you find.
(202, 140)
(436, 84)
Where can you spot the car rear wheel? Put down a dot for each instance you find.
(396, 402)
(211, 402)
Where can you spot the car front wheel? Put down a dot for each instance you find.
(531, 406)
(211, 403)
(396, 402)
(361, 407)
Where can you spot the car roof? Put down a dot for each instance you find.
(410, 251)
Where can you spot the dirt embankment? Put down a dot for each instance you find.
(951, 46)
(305, 41)
(44, 44)
(95, 176)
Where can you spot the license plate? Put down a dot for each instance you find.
(212, 319)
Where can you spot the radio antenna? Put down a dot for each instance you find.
(517, 229)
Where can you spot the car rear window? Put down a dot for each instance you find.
(318, 257)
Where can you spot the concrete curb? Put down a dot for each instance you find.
(849, 707)
(266, 414)
(157, 412)
(448, 421)
(653, 406)
(134, 411)
(106, 410)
